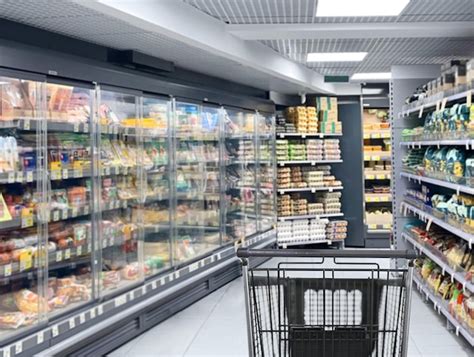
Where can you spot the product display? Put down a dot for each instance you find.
(310, 149)
(310, 231)
(121, 200)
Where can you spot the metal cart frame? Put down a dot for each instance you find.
(302, 308)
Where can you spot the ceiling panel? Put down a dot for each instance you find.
(303, 11)
(382, 52)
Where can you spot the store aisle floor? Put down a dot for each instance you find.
(215, 326)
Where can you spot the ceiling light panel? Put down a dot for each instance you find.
(336, 56)
(371, 76)
(360, 8)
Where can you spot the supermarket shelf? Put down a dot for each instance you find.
(432, 102)
(454, 186)
(461, 142)
(458, 276)
(441, 307)
(377, 197)
(284, 244)
(310, 189)
(308, 162)
(307, 135)
(379, 227)
(381, 232)
(387, 175)
(383, 134)
(310, 216)
(430, 218)
(377, 156)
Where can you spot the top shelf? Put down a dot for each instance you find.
(439, 100)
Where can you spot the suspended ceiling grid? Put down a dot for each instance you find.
(382, 52)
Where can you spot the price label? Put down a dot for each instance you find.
(55, 330)
(18, 347)
(55, 174)
(72, 323)
(67, 254)
(119, 301)
(26, 221)
(26, 124)
(74, 212)
(59, 256)
(11, 177)
(366, 158)
(100, 310)
(372, 226)
(154, 285)
(376, 158)
(79, 250)
(370, 177)
(19, 177)
(82, 318)
(89, 247)
(366, 136)
(65, 174)
(76, 127)
(376, 136)
(385, 135)
(107, 171)
(40, 337)
(112, 242)
(6, 352)
(469, 98)
(7, 270)
(92, 312)
(29, 176)
(55, 215)
(64, 213)
(380, 177)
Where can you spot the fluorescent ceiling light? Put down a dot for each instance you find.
(371, 91)
(371, 76)
(338, 8)
(336, 56)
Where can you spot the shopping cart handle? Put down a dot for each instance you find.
(326, 253)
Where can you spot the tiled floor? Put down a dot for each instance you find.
(215, 326)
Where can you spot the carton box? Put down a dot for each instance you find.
(326, 103)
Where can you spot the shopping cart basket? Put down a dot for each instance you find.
(328, 303)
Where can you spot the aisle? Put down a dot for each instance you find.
(215, 326)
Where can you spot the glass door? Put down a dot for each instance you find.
(22, 205)
(156, 211)
(240, 180)
(196, 208)
(266, 201)
(119, 187)
(70, 196)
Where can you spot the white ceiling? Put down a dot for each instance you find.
(76, 18)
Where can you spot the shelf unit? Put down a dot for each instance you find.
(409, 116)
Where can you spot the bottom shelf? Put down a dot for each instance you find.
(440, 307)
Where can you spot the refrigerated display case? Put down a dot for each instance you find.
(103, 188)
(119, 187)
(196, 208)
(241, 174)
(22, 207)
(266, 172)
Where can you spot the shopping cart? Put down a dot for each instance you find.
(328, 303)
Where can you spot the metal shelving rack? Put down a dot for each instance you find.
(405, 79)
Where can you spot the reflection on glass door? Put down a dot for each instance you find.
(22, 198)
(156, 203)
(266, 172)
(69, 147)
(121, 153)
(197, 191)
(240, 181)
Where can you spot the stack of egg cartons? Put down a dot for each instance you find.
(300, 118)
(331, 202)
(284, 232)
(284, 177)
(284, 205)
(336, 230)
(297, 151)
(317, 229)
(331, 149)
(300, 229)
(299, 206)
(314, 149)
(313, 177)
(281, 150)
(297, 178)
(316, 208)
(246, 150)
(312, 116)
(327, 112)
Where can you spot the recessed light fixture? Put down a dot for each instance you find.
(371, 76)
(342, 8)
(336, 56)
